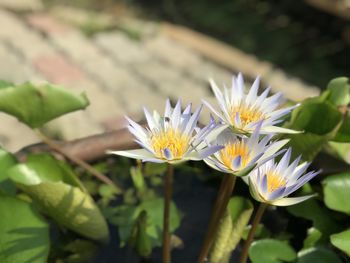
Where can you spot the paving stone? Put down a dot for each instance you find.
(294, 91)
(122, 48)
(11, 26)
(82, 17)
(103, 104)
(14, 70)
(77, 46)
(171, 83)
(73, 126)
(209, 70)
(176, 55)
(22, 5)
(57, 69)
(38, 46)
(48, 24)
(15, 135)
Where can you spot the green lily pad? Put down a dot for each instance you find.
(271, 251)
(342, 241)
(319, 255)
(337, 192)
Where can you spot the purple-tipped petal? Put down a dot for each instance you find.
(263, 185)
(237, 162)
(168, 154)
(277, 194)
(210, 150)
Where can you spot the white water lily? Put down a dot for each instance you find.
(241, 154)
(242, 110)
(272, 182)
(172, 138)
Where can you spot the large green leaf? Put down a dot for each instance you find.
(40, 168)
(35, 105)
(339, 91)
(342, 241)
(337, 192)
(53, 186)
(317, 254)
(306, 144)
(319, 120)
(231, 229)
(70, 207)
(24, 235)
(271, 251)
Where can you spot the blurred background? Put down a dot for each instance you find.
(133, 53)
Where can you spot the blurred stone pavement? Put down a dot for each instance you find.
(120, 74)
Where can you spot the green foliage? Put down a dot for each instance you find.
(271, 251)
(339, 91)
(337, 192)
(342, 241)
(142, 224)
(321, 119)
(79, 251)
(320, 217)
(41, 168)
(7, 160)
(313, 236)
(54, 188)
(154, 169)
(70, 207)
(231, 229)
(24, 235)
(317, 254)
(35, 105)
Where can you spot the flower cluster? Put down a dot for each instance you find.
(240, 143)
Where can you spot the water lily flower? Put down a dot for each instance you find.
(241, 153)
(242, 110)
(272, 182)
(172, 138)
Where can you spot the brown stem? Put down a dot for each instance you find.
(256, 221)
(168, 191)
(77, 161)
(224, 194)
(89, 148)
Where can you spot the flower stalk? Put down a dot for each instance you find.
(250, 238)
(168, 191)
(224, 194)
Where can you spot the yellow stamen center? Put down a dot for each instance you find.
(233, 150)
(247, 114)
(176, 142)
(274, 181)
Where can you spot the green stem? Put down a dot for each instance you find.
(168, 191)
(256, 221)
(224, 194)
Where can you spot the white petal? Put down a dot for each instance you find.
(291, 200)
(252, 95)
(219, 115)
(135, 154)
(274, 147)
(276, 129)
(150, 121)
